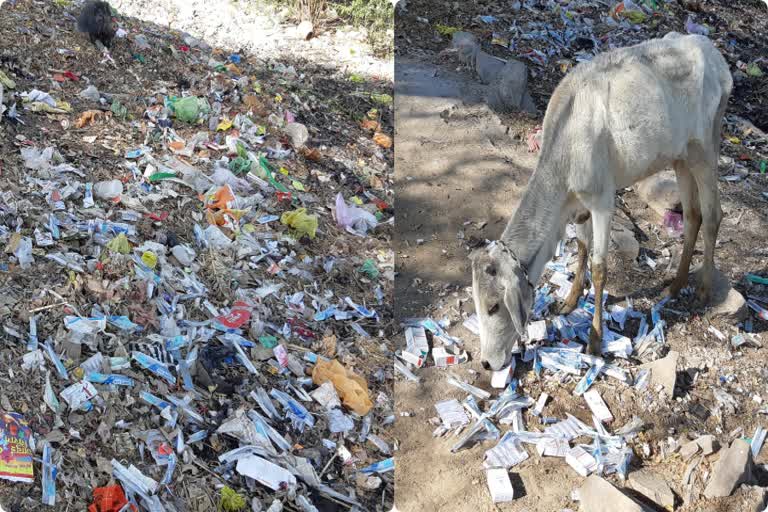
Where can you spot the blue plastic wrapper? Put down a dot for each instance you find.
(109, 379)
(588, 379)
(60, 369)
(124, 323)
(49, 476)
(155, 401)
(361, 310)
(197, 436)
(154, 366)
(380, 467)
(294, 411)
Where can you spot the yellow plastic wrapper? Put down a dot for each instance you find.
(149, 259)
(119, 244)
(225, 125)
(352, 389)
(6, 81)
(302, 223)
(62, 107)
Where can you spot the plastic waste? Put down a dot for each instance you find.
(49, 476)
(23, 253)
(108, 190)
(300, 222)
(338, 422)
(265, 472)
(380, 467)
(184, 254)
(352, 388)
(79, 395)
(673, 221)
(694, 28)
(15, 450)
(189, 109)
(108, 499)
(352, 217)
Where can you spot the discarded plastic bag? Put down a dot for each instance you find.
(302, 223)
(673, 221)
(353, 217)
(352, 388)
(39, 160)
(23, 252)
(108, 190)
(90, 93)
(189, 109)
(694, 28)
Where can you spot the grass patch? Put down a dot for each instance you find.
(376, 16)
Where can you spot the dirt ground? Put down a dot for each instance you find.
(460, 174)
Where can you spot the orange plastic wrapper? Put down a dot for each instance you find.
(352, 388)
(222, 199)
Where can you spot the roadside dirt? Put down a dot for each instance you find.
(461, 173)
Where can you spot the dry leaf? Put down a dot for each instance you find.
(376, 183)
(382, 140)
(371, 125)
(329, 346)
(311, 154)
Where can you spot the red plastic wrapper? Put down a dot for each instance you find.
(109, 499)
(237, 317)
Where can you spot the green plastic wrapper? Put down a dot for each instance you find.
(119, 244)
(240, 165)
(369, 268)
(120, 110)
(189, 109)
(268, 341)
(159, 176)
(268, 171)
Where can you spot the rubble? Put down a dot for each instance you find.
(598, 495)
(507, 79)
(733, 468)
(623, 241)
(726, 302)
(664, 372)
(652, 486)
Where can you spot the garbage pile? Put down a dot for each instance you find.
(196, 277)
(551, 37)
(635, 356)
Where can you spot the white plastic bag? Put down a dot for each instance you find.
(353, 217)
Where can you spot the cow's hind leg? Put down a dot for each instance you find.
(704, 172)
(601, 232)
(691, 221)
